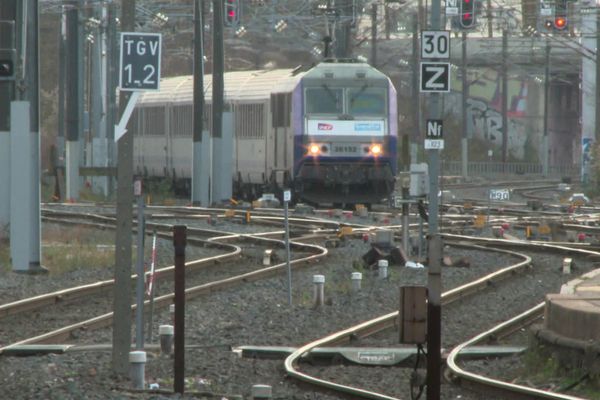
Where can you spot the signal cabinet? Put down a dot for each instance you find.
(413, 314)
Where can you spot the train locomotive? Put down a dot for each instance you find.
(329, 133)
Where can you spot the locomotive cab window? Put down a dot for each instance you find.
(366, 101)
(324, 100)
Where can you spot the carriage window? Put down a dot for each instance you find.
(324, 100)
(366, 101)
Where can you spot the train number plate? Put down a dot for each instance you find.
(345, 149)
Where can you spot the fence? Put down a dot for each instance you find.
(499, 169)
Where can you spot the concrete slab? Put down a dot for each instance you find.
(575, 312)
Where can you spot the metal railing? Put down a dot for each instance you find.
(493, 169)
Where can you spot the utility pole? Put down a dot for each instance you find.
(25, 225)
(98, 94)
(504, 97)
(112, 61)
(202, 155)
(416, 134)
(122, 290)
(546, 104)
(62, 65)
(72, 101)
(597, 91)
(373, 60)
(434, 276)
(343, 35)
(8, 16)
(590, 78)
(489, 19)
(465, 96)
(220, 177)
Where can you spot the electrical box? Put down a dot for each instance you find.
(419, 180)
(413, 314)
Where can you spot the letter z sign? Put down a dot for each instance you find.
(435, 77)
(140, 61)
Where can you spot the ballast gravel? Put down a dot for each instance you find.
(258, 313)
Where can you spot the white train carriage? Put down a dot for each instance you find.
(260, 102)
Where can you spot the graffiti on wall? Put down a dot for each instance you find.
(484, 106)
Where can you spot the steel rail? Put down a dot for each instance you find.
(522, 391)
(72, 294)
(165, 300)
(386, 321)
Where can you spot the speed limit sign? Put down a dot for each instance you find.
(435, 44)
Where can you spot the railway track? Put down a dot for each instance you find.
(458, 295)
(99, 292)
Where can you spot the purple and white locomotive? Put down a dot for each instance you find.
(329, 133)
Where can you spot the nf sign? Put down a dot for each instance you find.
(140, 61)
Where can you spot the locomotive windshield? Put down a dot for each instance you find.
(353, 102)
(324, 100)
(366, 101)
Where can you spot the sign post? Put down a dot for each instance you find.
(287, 196)
(139, 71)
(435, 79)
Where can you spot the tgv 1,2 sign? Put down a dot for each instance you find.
(140, 61)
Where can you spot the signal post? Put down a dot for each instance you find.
(435, 79)
(139, 71)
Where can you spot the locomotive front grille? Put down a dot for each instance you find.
(341, 173)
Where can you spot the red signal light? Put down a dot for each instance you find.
(467, 14)
(560, 22)
(232, 12)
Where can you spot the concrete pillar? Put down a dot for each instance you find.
(166, 333)
(319, 290)
(356, 281)
(261, 392)
(24, 198)
(223, 161)
(72, 170)
(201, 172)
(137, 373)
(4, 182)
(382, 266)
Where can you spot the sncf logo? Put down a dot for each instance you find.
(324, 127)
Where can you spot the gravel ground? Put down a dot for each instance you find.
(258, 314)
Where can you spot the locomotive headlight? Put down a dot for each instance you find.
(376, 149)
(314, 149)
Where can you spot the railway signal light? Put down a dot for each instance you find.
(232, 12)
(560, 15)
(467, 13)
(560, 23)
